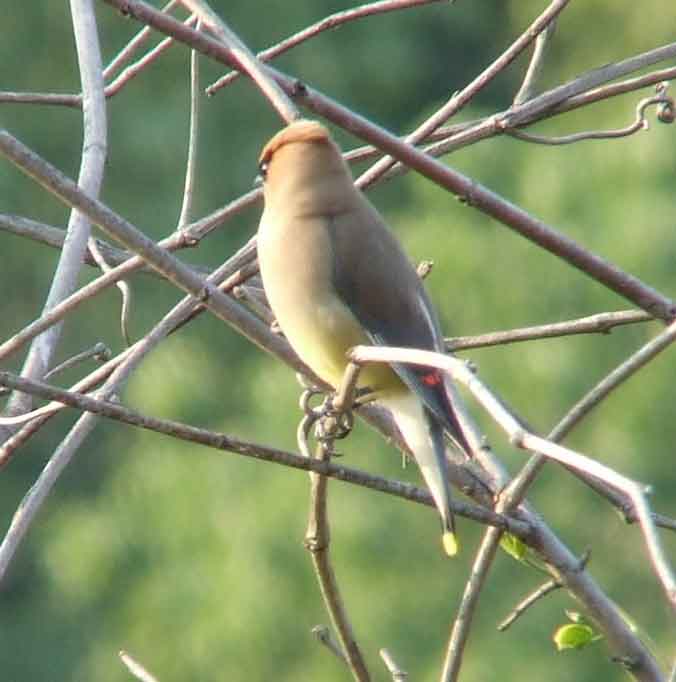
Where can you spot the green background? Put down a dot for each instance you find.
(192, 559)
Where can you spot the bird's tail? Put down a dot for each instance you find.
(424, 435)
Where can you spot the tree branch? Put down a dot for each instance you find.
(601, 323)
(325, 24)
(522, 438)
(460, 99)
(220, 441)
(90, 179)
(468, 190)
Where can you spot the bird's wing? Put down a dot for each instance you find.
(377, 282)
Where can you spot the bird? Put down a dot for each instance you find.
(335, 277)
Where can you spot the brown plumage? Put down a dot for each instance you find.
(336, 277)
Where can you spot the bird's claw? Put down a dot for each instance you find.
(330, 424)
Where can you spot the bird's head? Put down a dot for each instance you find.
(302, 166)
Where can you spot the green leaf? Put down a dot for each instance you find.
(574, 636)
(513, 546)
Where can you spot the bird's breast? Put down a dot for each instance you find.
(296, 264)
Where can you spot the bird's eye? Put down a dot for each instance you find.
(263, 169)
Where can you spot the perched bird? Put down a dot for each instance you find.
(336, 277)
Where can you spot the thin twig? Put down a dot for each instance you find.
(534, 71)
(32, 502)
(598, 94)
(344, 397)
(612, 381)
(323, 635)
(601, 323)
(56, 236)
(122, 285)
(146, 60)
(535, 596)
(460, 99)
(232, 272)
(135, 44)
(639, 123)
(592, 79)
(540, 593)
(90, 178)
(173, 269)
(521, 438)
(327, 23)
(193, 139)
(470, 597)
(255, 302)
(398, 675)
(575, 93)
(245, 60)
(99, 352)
(471, 192)
(317, 542)
(135, 668)
(220, 441)
(74, 101)
(189, 236)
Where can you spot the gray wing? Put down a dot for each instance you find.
(375, 279)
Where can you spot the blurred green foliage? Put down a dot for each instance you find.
(192, 560)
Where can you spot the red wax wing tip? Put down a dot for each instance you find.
(431, 378)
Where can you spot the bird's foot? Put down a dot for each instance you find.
(333, 424)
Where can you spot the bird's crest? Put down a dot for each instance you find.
(298, 131)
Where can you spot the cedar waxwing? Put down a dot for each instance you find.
(336, 277)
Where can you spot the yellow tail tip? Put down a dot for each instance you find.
(450, 542)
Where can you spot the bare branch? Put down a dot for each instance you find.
(173, 269)
(618, 376)
(148, 58)
(527, 89)
(601, 323)
(398, 675)
(189, 236)
(231, 272)
(541, 592)
(135, 44)
(470, 191)
(640, 123)
(460, 99)
(613, 90)
(244, 58)
(254, 302)
(90, 177)
(99, 352)
(135, 668)
(42, 98)
(538, 594)
(193, 139)
(317, 542)
(470, 598)
(524, 439)
(330, 22)
(56, 236)
(122, 285)
(592, 79)
(220, 441)
(323, 635)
